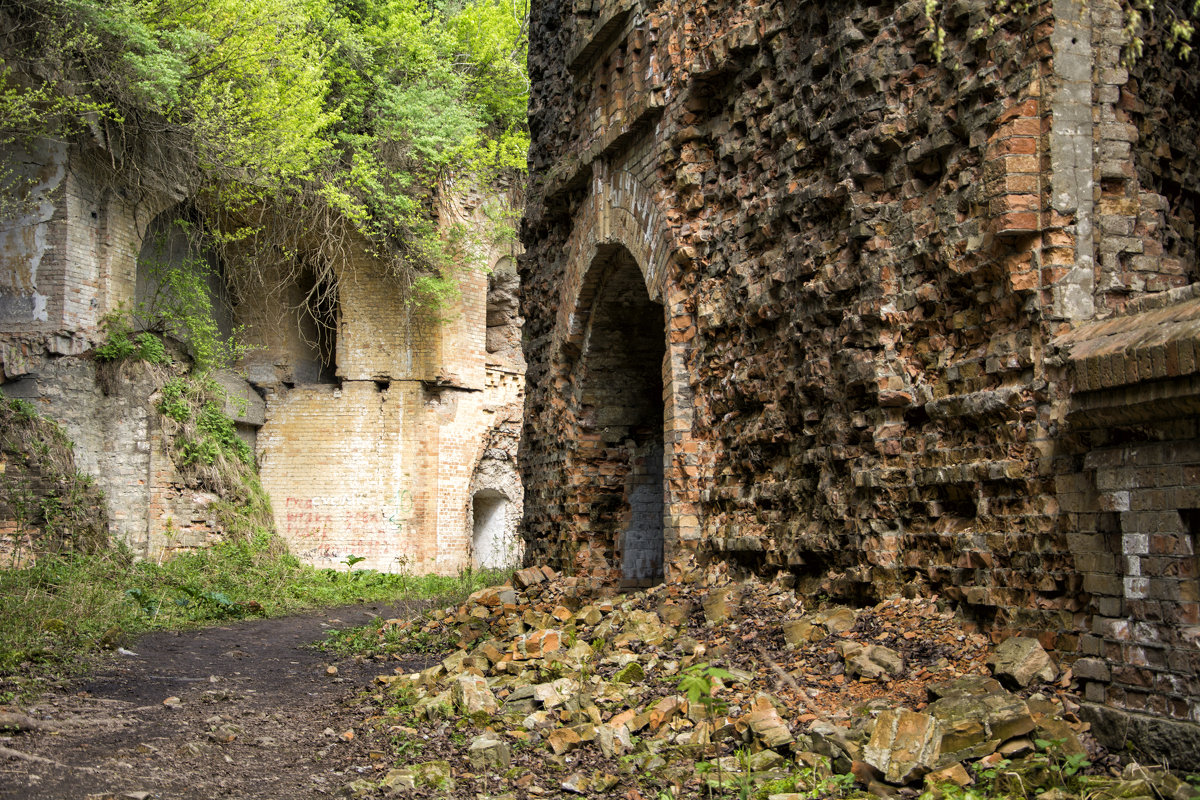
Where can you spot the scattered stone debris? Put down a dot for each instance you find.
(705, 681)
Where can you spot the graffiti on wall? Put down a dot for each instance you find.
(329, 529)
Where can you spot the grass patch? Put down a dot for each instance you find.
(377, 638)
(65, 607)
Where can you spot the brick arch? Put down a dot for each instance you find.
(621, 216)
(619, 212)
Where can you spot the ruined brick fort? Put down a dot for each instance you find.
(802, 295)
(380, 432)
(805, 286)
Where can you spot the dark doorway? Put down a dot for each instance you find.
(621, 416)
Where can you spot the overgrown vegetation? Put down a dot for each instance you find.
(299, 128)
(199, 432)
(49, 505)
(65, 606)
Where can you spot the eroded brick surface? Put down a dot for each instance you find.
(884, 284)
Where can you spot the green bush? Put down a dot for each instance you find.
(121, 343)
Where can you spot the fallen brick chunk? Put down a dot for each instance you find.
(1020, 661)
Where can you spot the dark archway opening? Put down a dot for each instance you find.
(621, 418)
(317, 302)
(176, 271)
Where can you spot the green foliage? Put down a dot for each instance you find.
(1175, 24)
(122, 343)
(241, 78)
(293, 124)
(1172, 25)
(203, 434)
(182, 307)
(1050, 767)
(1063, 767)
(174, 400)
(22, 409)
(699, 681)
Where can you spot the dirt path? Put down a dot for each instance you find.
(256, 681)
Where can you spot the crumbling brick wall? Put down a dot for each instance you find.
(374, 449)
(372, 415)
(841, 231)
(866, 257)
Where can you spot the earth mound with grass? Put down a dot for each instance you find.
(46, 505)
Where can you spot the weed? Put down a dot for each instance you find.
(121, 343)
(61, 513)
(699, 682)
(23, 409)
(406, 748)
(1050, 767)
(1061, 769)
(173, 400)
(811, 782)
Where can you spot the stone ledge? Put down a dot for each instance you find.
(1142, 402)
(593, 43)
(1158, 344)
(1163, 740)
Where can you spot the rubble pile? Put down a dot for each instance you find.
(707, 682)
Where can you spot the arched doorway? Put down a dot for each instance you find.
(619, 379)
(490, 539)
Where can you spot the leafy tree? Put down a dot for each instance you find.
(295, 125)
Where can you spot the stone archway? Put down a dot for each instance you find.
(619, 394)
(574, 484)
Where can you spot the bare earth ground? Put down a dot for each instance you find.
(257, 681)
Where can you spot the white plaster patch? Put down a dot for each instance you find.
(489, 536)
(1117, 501)
(1145, 632)
(1134, 543)
(1136, 588)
